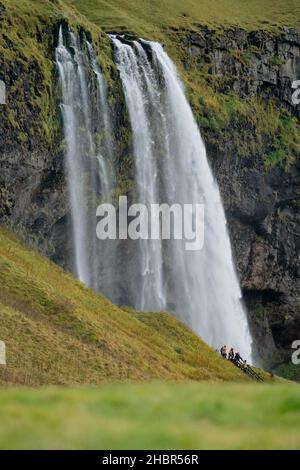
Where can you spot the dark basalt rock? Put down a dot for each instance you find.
(263, 207)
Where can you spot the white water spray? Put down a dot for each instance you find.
(89, 168)
(171, 165)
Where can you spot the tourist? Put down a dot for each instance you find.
(224, 351)
(231, 355)
(238, 359)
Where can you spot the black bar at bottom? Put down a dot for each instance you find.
(138, 458)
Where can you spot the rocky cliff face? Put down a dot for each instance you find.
(256, 163)
(33, 197)
(262, 202)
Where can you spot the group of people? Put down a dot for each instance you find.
(238, 361)
(232, 356)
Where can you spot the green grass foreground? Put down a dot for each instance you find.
(152, 416)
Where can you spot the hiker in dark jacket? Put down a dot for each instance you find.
(231, 355)
(238, 359)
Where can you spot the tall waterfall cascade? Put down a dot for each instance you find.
(170, 166)
(89, 154)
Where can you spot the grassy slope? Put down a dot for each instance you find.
(159, 416)
(148, 17)
(59, 332)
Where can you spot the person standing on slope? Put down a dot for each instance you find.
(231, 355)
(224, 351)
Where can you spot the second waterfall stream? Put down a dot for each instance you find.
(170, 166)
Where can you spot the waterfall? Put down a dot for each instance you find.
(200, 287)
(170, 166)
(149, 263)
(89, 167)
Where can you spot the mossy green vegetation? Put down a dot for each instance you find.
(286, 143)
(152, 416)
(26, 67)
(290, 371)
(59, 332)
(28, 35)
(259, 128)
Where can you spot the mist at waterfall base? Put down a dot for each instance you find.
(170, 166)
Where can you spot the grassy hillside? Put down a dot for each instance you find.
(148, 17)
(59, 332)
(152, 416)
